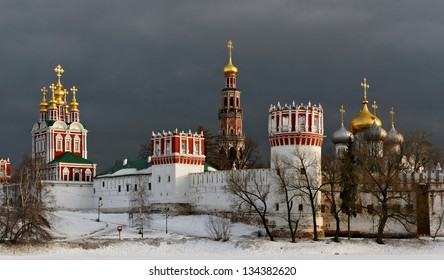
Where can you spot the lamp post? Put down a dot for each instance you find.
(98, 209)
(166, 220)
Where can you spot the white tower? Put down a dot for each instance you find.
(175, 155)
(296, 128)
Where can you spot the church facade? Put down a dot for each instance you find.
(59, 142)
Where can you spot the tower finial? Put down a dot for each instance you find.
(342, 110)
(374, 106)
(43, 104)
(392, 112)
(230, 70)
(365, 86)
(44, 91)
(59, 70)
(230, 48)
(74, 104)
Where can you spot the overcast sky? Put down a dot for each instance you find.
(143, 66)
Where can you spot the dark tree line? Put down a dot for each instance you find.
(25, 205)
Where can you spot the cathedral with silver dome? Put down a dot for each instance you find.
(367, 128)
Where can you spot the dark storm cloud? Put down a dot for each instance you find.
(153, 65)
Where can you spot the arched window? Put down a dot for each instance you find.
(68, 143)
(59, 139)
(76, 144)
(88, 175)
(65, 174)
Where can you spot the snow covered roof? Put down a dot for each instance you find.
(127, 168)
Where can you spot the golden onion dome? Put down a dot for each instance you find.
(74, 104)
(230, 70)
(44, 104)
(53, 103)
(364, 120)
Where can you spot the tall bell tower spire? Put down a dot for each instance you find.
(230, 140)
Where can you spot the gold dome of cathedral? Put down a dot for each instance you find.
(230, 70)
(365, 119)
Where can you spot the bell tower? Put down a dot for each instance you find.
(230, 139)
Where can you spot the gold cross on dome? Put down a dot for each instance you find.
(374, 106)
(74, 91)
(230, 46)
(392, 112)
(342, 110)
(52, 87)
(59, 70)
(365, 86)
(44, 91)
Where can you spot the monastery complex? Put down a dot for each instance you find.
(178, 177)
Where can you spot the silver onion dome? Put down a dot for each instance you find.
(375, 133)
(341, 136)
(394, 137)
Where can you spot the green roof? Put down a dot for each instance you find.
(137, 164)
(49, 122)
(71, 158)
(207, 164)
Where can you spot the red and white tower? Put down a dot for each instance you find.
(230, 140)
(5, 171)
(174, 156)
(59, 140)
(292, 127)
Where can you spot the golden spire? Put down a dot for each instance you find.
(59, 92)
(393, 116)
(44, 104)
(59, 70)
(74, 104)
(342, 110)
(374, 106)
(65, 91)
(365, 86)
(230, 70)
(52, 102)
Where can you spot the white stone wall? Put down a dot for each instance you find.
(71, 195)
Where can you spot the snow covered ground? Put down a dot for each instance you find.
(86, 249)
(79, 236)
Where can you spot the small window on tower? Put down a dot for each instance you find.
(68, 143)
(76, 144)
(58, 142)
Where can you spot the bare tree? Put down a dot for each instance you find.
(440, 222)
(284, 174)
(307, 180)
(380, 177)
(211, 152)
(251, 157)
(250, 193)
(141, 207)
(26, 218)
(146, 150)
(420, 152)
(331, 180)
(219, 228)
